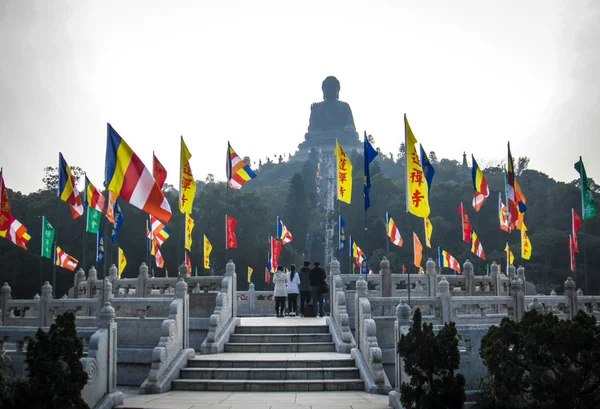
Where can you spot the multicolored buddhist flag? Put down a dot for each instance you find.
(188, 262)
(156, 230)
(392, 231)
(207, 250)
(511, 198)
(11, 228)
(467, 229)
(47, 238)
(238, 171)
(93, 198)
(189, 226)
(109, 212)
(476, 246)
(342, 233)
(343, 175)
(369, 154)
(230, 237)
(446, 260)
(276, 246)
(417, 190)
(428, 169)
(502, 214)
(428, 231)
(588, 207)
(127, 176)
(482, 190)
(283, 233)
(158, 258)
(250, 271)
(67, 188)
(159, 173)
(525, 244)
(509, 255)
(122, 262)
(64, 260)
(575, 225)
(418, 250)
(187, 184)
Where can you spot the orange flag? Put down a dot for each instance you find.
(418, 250)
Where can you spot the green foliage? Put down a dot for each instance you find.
(430, 360)
(542, 362)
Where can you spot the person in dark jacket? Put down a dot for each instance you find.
(304, 287)
(317, 276)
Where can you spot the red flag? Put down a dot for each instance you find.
(467, 230)
(188, 262)
(575, 224)
(231, 239)
(267, 275)
(403, 269)
(572, 252)
(158, 172)
(275, 252)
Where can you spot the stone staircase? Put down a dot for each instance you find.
(286, 355)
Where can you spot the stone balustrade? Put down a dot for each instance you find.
(340, 327)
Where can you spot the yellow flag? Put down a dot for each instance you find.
(344, 175)
(189, 226)
(122, 262)
(250, 270)
(187, 184)
(525, 243)
(417, 191)
(428, 231)
(510, 254)
(207, 250)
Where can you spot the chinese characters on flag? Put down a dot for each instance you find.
(417, 197)
(189, 226)
(187, 185)
(230, 239)
(207, 250)
(344, 175)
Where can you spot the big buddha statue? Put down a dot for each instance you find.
(330, 119)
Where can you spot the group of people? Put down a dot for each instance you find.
(309, 284)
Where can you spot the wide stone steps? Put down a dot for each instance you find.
(285, 356)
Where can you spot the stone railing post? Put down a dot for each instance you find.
(184, 270)
(361, 292)
(443, 293)
(230, 271)
(46, 316)
(251, 300)
(113, 273)
(516, 289)
(572, 297)
(495, 274)
(181, 289)
(403, 319)
(469, 277)
(79, 277)
(5, 295)
(140, 285)
(512, 273)
(92, 276)
(107, 321)
(386, 278)
(535, 305)
(338, 310)
(334, 272)
(431, 274)
(107, 293)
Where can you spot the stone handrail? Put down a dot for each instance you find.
(340, 325)
(223, 320)
(172, 351)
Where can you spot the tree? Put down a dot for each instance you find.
(544, 362)
(297, 212)
(402, 153)
(433, 157)
(210, 178)
(430, 360)
(56, 375)
(50, 178)
(522, 164)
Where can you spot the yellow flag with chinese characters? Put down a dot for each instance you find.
(428, 231)
(510, 255)
(189, 226)
(250, 270)
(207, 250)
(187, 184)
(344, 175)
(417, 191)
(525, 243)
(122, 261)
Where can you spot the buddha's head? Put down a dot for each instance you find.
(331, 88)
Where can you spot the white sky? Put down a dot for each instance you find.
(470, 75)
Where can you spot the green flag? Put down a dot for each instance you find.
(93, 220)
(588, 208)
(47, 238)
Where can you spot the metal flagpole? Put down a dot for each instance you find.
(55, 243)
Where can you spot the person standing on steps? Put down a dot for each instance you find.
(317, 277)
(304, 287)
(280, 280)
(293, 290)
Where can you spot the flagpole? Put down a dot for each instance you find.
(581, 186)
(55, 242)
(42, 255)
(84, 237)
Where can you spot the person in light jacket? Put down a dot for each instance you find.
(280, 279)
(293, 290)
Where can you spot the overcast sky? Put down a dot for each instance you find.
(471, 75)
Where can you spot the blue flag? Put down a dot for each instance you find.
(369, 153)
(342, 233)
(427, 168)
(117, 223)
(100, 248)
(350, 246)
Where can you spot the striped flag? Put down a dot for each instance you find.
(67, 188)
(502, 215)
(482, 190)
(160, 262)
(392, 231)
(11, 228)
(446, 260)
(64, 260)
(127, 176)
(477, 247)
(92, 197)
(157, 231)
(283, 233)
(238, 171)
(467, 229)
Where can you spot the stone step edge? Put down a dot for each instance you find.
(285, 334)
(255, 369)
(266, 381)
(279, 343)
